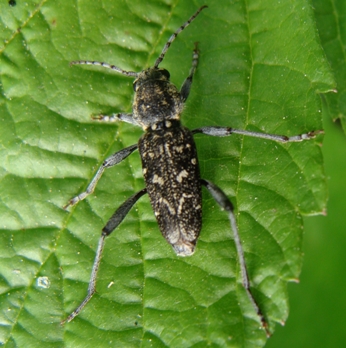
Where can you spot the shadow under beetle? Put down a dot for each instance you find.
(170, 165)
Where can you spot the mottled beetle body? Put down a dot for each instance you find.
(170, 165)
(169, 160)
(171, 173)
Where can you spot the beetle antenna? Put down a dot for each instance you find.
(175, 34)
(105, 65)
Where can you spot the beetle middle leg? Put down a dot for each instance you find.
(226, 131)
(109, 162)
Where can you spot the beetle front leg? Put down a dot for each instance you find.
(185, 88)
(128, 118)
(109, 162)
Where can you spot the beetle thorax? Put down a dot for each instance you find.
(156, 99)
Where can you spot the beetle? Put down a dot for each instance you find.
(169, 164)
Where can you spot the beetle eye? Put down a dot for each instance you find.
(165, 73)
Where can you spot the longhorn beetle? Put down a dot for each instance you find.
(170, 165)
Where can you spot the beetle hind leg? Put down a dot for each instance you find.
(111, 225)
(223, 201)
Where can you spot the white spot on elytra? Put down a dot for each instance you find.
(182, 201)
(180, 207)
(193, 161)
(181, 175)
(168, 205)
(179, 148)
(158, 180)
(168, 151)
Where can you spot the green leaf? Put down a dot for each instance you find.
(330, 21)
(260, 67)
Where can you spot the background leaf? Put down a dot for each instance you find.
(260, 68)
(330, 21)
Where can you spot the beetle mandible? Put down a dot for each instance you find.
(170, 164)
